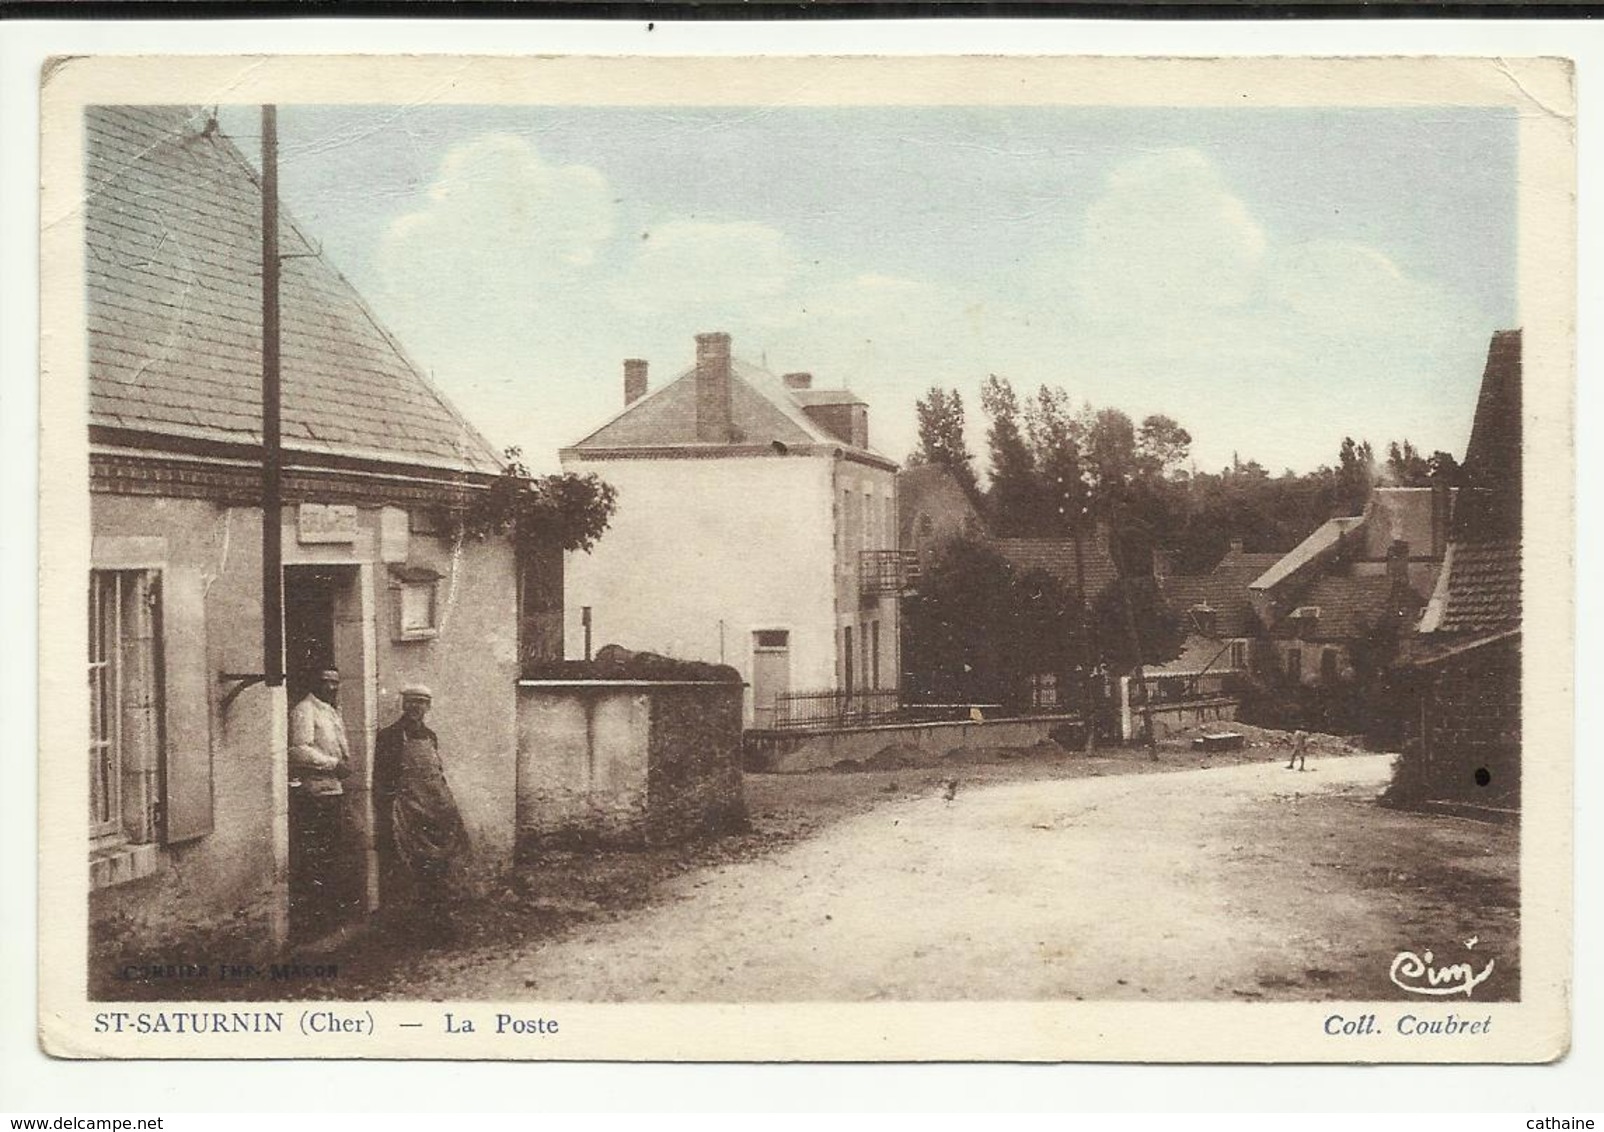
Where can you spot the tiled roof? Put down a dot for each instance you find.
(1223, 590)
(173, 234)
(1483, 588)
(1349, 607)
(1057, 557)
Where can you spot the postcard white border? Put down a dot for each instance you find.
(1003, 1039)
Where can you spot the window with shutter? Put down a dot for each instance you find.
(125, 696)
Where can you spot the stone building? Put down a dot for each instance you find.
(1462, 711)
(755, 527)
(187, 746)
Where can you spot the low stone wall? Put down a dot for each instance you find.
(1171, 718)
(627, 762)
(786, 752)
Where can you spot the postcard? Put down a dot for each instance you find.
(807, 558)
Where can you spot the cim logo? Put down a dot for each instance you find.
(1417, 974)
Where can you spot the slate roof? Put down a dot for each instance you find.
(173, 265)
(762, 410)
(1224, 590)
(1057, 557)
(806, 397)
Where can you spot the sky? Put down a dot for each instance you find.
(1274, 279)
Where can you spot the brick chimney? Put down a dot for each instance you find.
(1236, 546)
(713, 387)
(1398, 562)
(634, 380)
(799, 381)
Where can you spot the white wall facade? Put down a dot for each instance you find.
(704, 552)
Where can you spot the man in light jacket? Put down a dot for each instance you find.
(319, 763)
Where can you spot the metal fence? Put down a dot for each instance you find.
(835, 708)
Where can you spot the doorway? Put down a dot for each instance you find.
(771, 674)
(328, 859)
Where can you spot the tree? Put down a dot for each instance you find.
(1162, 445)
(977, 630)
(940, 414)
(574, 510)
(1406, 467)
(1015, 497)
(1356, 474)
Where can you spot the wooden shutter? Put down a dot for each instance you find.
(187, 777)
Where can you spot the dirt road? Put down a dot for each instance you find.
(1222, 883)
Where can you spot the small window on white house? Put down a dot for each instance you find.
(771, 639)
(417, 603)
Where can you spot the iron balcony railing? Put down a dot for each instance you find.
(887, 572)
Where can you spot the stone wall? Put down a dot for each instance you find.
(627, 762)
(693, 772)
(786, 752)
(1472, 722)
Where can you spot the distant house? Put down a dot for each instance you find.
(755, 527)
(1216, 611)
(933, 507)
(1353, 586)
(187, 760)
(1463, 714)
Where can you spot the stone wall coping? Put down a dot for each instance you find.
(803, 732)
(630, 684)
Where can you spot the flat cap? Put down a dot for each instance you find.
(416, 692)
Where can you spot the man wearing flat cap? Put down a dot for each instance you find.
(320, 762)
(419, 830)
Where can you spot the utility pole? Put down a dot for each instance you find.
(272, 440)
(1138, 676)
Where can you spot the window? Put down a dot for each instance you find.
(1295, 664)
(846, 658)
(416, 602)
(125, 698)
(771, 639)
(1044, 691)
(1329, 662)
(868, 521)
(1239, 654)
(874, 654)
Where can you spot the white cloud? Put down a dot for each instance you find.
(1167, 235)
(483, 280)
(1176, 298)
(1168, 296)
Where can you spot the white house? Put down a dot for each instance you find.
(755, 527)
